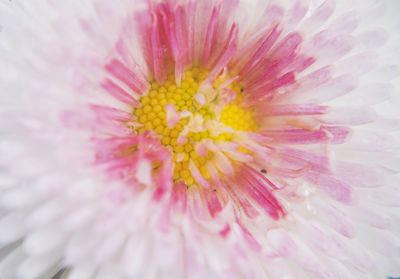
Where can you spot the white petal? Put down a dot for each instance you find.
(44, 240)
(82, 272)
(35, 267)
(135, 255)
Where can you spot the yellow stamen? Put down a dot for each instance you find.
(152, 116)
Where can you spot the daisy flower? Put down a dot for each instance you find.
(199, 139)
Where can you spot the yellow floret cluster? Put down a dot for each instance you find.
(152, 116)
(239, 119)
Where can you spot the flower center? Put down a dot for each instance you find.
(176, 114)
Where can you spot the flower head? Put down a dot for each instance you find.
(199, 139)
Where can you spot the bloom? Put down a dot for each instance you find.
(198, 139)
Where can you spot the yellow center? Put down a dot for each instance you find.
(152, 116)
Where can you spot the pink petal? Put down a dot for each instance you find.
(119, 93)
(346, 23)
(349, 116)
(262, 50)
(210, 36)
(302, 136)
(320, 15)
(255, 187)
(335, 218)
(304, 109)
(360, 175)
(297, 13)
(111, 113)
(333, 187)
(213, 203)
(331, 90)
(158, 51)
(121, 72)
(228, 52)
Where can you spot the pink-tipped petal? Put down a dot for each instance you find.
(222, 163)
(172, 115)
(179, 197)
(197, 175)
(201, 149)
(144, 173)
(215, 177)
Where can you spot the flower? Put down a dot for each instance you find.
(199, 139)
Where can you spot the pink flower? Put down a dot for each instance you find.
(199, 139)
